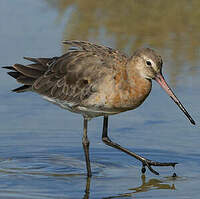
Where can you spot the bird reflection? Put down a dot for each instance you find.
(151, 184)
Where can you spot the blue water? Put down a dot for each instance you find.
(41, 153)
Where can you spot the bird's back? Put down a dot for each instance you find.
(71, 79)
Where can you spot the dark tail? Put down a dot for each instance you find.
(27, 75)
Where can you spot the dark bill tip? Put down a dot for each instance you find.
(160, 79)
(185, 112)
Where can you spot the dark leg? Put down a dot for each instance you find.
(87, 189)
(145, 162)
(86, 144)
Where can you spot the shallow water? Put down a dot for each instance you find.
(41, 153)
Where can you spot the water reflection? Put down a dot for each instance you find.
(132, 24)
(151, 184)
(39, 173)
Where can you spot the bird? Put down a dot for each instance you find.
(95, 80)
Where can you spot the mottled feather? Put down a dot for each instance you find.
(71, 77)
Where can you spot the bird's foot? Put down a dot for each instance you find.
(149, 163)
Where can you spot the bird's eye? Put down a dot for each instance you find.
(148, 63)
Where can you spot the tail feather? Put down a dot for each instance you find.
(26, 80)
(14, 74)
(9, 67)
(37, 67)
(21, 89)
(42, 61)
(26, 71)
(28, 74)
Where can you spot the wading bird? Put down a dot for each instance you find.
(95, 80)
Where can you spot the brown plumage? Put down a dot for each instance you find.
(73, 76)
(95, 80)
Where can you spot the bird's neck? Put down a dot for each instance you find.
(139, 87)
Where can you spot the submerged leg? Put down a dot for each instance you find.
(86, 144)
(87, 189)
(145, 162)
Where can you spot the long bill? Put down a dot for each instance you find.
(160, 79)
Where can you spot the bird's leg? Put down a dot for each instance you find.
(86, 144)
(145, 162)
(87, 189)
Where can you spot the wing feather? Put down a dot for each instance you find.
(73, 76)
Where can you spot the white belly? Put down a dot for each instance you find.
(88, 113)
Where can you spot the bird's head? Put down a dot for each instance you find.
(149, 65)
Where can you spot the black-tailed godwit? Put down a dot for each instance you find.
(95, 80)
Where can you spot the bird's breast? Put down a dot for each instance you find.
(131, 93)
(119, 93)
